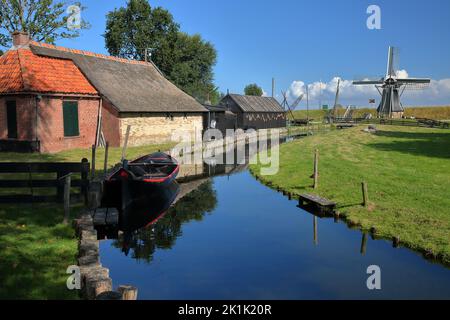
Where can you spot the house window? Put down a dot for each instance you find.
(11, 116)
(70, 116)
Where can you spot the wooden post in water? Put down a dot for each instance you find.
(94, 149)
(316, 169)
(125, 144)
(364, 244)
(67, 183)
(105, 167)
(365, 194)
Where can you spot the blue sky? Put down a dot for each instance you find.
(301, 42)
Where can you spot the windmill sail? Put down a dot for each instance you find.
(390, 66)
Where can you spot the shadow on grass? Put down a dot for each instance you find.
(432, 144)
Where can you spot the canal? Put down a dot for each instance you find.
(234, 238)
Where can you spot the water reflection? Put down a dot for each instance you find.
(140, 244)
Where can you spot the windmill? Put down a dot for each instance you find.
(391, 89)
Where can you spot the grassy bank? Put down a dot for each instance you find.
(436, 113)
(35, 247)
(407, 171)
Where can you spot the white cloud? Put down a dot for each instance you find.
(436, 94)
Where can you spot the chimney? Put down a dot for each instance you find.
(20, 38)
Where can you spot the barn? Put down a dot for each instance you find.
(54, 98)
(255, 112)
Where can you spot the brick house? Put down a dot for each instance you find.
(55, 98)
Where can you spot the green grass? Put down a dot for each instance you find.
(35, 247)
(436, 113)
(408, 176)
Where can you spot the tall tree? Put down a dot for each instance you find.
(253, 90)
(184, 59)
(44, 20)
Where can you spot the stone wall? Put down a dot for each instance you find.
(157, 128)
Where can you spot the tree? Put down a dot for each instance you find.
(44, 20)
(184, 59)
(253, 90)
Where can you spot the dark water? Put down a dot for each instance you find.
(233, 238)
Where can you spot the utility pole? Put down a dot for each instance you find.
(273, 87)
(307, 109)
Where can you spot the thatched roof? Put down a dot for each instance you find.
(131, 86)
(256, 104)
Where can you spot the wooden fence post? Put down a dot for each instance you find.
(365, 194)
(105, 168)
(94, 148)
(84, 178)
(316, 169)
(67, 183)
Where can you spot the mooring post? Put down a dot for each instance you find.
(67, 183)
(93, 162)
(105, 167)
(365, 194)
(125, 144)
(316, 169)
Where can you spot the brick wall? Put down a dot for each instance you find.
(110, 124)
(26, 117)
(51, 124)
(157, 128)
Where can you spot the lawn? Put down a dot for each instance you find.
(35, 247)
(408, 175)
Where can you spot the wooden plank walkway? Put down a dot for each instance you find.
(316, 200)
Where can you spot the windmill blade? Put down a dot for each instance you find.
(390, 66)
(414, 81)
(366, 82)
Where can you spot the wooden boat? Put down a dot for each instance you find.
(147, 183)
(158, 168)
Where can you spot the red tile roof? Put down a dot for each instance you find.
(23, 71)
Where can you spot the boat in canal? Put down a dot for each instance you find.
(142, 188)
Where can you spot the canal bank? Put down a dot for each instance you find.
(405, 169)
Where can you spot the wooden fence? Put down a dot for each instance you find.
(428, 123)
(31, 183)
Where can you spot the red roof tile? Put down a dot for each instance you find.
(23, 71)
